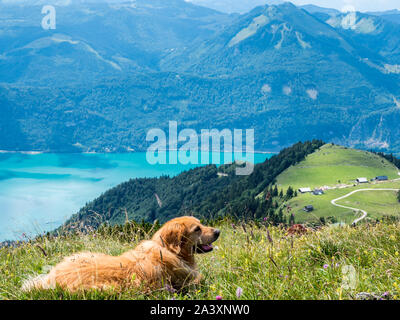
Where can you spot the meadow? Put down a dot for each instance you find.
(334, 165)
(338, 167)
(250, 261)
(377, 203)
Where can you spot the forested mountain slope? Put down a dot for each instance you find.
(201, 191)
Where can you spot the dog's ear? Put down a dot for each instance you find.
(172, 236)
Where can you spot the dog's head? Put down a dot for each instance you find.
(186, 236)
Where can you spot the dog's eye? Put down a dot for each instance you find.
(197, 229)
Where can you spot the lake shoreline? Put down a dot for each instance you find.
(39, 191)
(126, 152)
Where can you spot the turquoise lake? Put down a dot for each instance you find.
(38, 192)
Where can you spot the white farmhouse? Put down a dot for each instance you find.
(362, 180)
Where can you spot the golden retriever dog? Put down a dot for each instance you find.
(168, 258)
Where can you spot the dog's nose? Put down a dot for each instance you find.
(217, 233)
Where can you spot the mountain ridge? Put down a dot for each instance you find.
(87, 90)
(212, 192)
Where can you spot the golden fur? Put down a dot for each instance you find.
(167, 258)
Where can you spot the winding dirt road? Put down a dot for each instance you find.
(364, 213)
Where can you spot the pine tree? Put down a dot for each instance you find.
(280, 215)
(275, 191)
(291, 219)
(289, 193)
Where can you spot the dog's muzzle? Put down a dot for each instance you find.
(204, 248)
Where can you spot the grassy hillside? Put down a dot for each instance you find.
(332, 165)
(338, 167)
(306, 267)
(376, 203)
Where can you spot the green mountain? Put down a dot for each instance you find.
(310, 70)
(113, 70)
(96, 40)
(334, 165)
(269, 192)
(203, 191)
(335, 169)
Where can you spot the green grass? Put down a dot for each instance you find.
(376, 203)
(331, 164)
(287, 268)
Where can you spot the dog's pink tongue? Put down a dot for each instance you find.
(206, 247)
